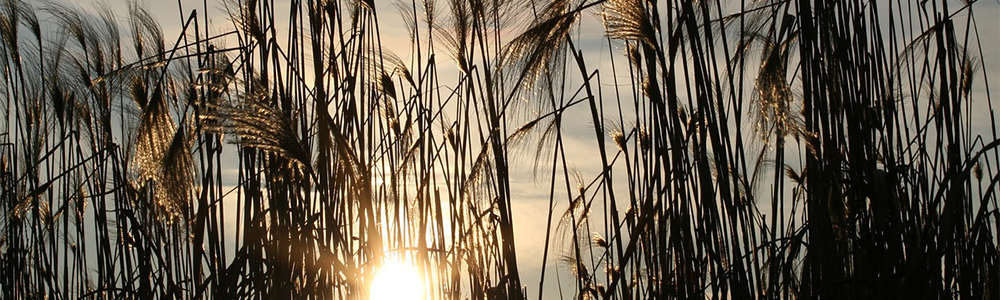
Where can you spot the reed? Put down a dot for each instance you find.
(770, 149)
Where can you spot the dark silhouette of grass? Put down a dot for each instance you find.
(789, 149)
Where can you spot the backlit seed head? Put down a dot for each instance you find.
(619, 138)
(644, 142)
(599, 240)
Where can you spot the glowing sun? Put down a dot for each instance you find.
(397, 280)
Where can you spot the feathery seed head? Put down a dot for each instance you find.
(619, 138)
(599, 240)
(629, 20)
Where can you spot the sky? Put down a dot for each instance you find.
(530, 193)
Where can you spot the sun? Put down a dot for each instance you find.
(397, 280)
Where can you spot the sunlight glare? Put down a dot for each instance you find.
(397, 280)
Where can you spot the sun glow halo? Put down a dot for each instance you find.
(397, 280)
